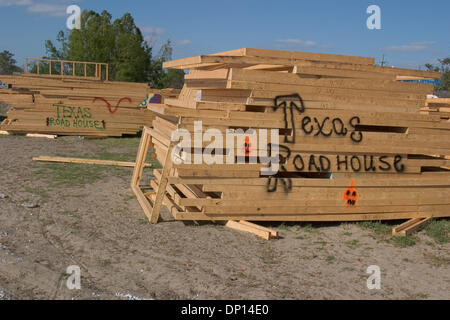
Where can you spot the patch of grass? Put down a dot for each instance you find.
(111, 142)
(219, 227)
(348, 269)
(435, 260)
(310, 229)
(431, 244)
(439, 230)
(330, 259)
(300, 237)
(38, 191)
(47, 222)
(376, 226)
(105, 262)
(283, 226)
(421, 295)
(348, 234)
(116, 156)
(128, 197)
(322, 243)
(352, 244)
(269, 256)
(69, 174)
(403, 241)
(78, 196)
(143, 221)
(72, 213)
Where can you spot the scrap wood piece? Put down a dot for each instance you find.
(88, 161)
(410, 226)
(39, 135)
(144, 145)
(257, 230)
(32, 135)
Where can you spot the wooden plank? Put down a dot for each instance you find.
(247, 228)
(273, 233)
(410, 226)
(167, 166)
(88, 161)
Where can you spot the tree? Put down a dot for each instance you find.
(8, 63)
(165, 78)
(444, 68)
(119, 43)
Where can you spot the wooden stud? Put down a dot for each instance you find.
(248, 228)
(167, 166)
(88, 161)
(410, 226)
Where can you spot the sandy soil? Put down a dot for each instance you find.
(87, 216)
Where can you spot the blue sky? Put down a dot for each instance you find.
(412, 32)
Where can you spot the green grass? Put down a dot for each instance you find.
(376, 226)
(439, 230)
(131, 142)
(38, 191)
(143, 221)
(403, 241)
(284, 227)
(352, 244)
(421, 295)
(128, 197)
(330, 259)
(348, 269)
(310, 229)
(47, 222)
(69, 174)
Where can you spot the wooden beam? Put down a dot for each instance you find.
(138, 170)
(167, 166)
(88, 161)
(410, 226)
(238, 225)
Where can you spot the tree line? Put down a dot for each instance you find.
(118, 43)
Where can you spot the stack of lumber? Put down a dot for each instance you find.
(438, 106)
(75, 106)
(353, 144)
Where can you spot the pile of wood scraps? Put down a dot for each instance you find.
(346, 138)
(76, 106)
(438, 106)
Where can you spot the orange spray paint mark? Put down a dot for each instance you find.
(248, 147)
(351, 195)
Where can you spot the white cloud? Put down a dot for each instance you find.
(415, 46)
(152, 30)
(184, 42)
(151, 34)
(299, 42)
(9, 3)
(54, 10)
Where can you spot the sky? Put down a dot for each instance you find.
(412, 32)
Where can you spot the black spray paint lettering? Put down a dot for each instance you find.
(272, 182)
(289, 103)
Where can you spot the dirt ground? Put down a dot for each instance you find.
(87, 216)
